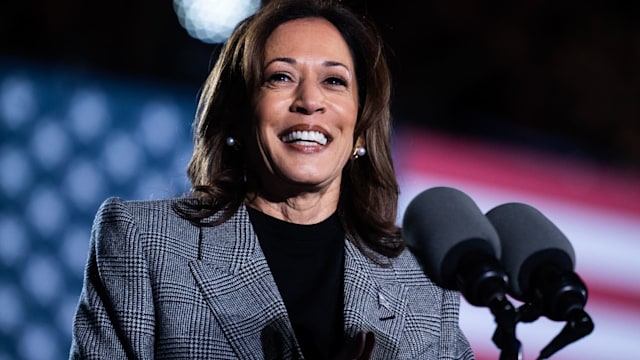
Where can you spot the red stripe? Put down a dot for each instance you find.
(524, 170)
(604, 295)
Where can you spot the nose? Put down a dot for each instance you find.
(309, 98)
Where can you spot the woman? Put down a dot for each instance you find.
(287, 247)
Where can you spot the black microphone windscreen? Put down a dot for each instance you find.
(529, 240)
(441, 225)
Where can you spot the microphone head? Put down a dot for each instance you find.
(530, 242)
(441, 225)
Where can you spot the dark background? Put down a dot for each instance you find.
(558, 75)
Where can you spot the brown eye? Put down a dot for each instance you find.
(279, 77)
(336, 81)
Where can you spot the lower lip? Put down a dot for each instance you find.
(309, 149)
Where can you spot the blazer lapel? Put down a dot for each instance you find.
(373, 301)
(235, 280)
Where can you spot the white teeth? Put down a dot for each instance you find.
(308, 136)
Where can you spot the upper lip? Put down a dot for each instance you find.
(294, 132)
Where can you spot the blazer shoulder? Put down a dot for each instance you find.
(407, 263)
(140, 211)
(133, 222)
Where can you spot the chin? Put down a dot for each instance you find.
(308, 180)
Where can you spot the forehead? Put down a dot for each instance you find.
(308, 36)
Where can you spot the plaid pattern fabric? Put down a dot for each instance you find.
(157, 287)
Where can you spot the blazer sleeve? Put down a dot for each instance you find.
(114, 318)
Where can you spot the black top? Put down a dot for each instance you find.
(307, 262)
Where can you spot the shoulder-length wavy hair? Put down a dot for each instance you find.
(369, 196)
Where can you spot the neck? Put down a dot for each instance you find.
(306, 208)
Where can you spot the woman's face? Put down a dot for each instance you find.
(306, 107)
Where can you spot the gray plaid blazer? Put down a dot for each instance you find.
(158, 287)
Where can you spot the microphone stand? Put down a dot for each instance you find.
(562, 296)
(484, 283)
(505, 335)
(579, 324)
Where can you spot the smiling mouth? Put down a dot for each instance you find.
(305, 138)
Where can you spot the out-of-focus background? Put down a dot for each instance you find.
(529, 101)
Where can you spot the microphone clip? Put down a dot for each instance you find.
(560, 296)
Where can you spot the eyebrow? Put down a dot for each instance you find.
(292, 61)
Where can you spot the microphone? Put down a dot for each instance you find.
(458, 249)
(455, 243)
(540, 260)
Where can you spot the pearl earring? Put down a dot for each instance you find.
(359, 151)
(231, 141)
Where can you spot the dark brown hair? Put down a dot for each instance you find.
(369, 197)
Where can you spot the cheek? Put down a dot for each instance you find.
(349, 111)
(268, 112)
(260, 107)
(260, 120)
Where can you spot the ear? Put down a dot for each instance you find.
(360, 141)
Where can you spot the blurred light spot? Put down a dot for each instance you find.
(66, 311)
(178, 167)
(41, 277)
(181, 159)
(49, 143)
(88, 113)
(15, 171)
(159, 127)
(122, 157)
(84, 184)
(46, 210)
(212, 21)
(17, 101)
(153, 186)
(38, 342)
(12, 314)
(74, 249)
(14, 241)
